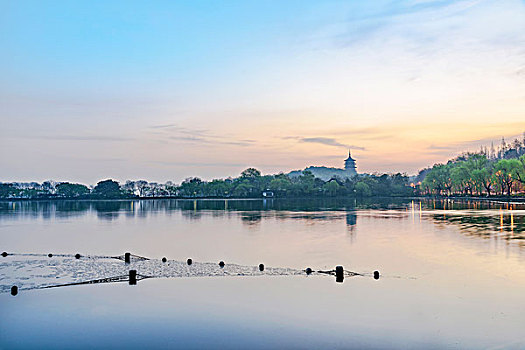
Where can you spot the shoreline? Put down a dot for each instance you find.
(498, 199)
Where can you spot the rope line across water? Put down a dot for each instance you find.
(42, 271)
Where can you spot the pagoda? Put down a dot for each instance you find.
(350, 163)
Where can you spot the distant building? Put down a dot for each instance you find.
(267, 194)
(350, 163)
(326, 173)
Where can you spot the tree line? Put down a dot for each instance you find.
(250, 184)
(104, 189)
(484, 173)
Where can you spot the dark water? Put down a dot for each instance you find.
(452, 274)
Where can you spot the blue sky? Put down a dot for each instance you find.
(164, 90)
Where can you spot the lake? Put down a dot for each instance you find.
(452, 274)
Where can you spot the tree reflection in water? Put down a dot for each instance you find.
(473, 218)
(480, 219)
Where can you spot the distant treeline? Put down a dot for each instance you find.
(250, 184)
(49, 189)
(485, 173)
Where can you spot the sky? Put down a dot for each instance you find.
(165, 90)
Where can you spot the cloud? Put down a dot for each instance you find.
(76, 137)
(441, 148)
(212, 140)
(163, 126)
(199, 164)
(200, 136)
(398, 19)
(327, 141)
(425, 41)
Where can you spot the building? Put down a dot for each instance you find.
(326, 173)
(350, 163)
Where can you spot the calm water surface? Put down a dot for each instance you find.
(452, 275)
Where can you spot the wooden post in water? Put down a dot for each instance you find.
(339, 274)
(132, 277)
(261, 267)
(127, 258)
(376, 275)
(14, 290)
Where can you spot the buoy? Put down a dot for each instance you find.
(127, 258)
(308, 270)
(221, 264)
(4, 254)
(339, 274)
(132, 277)
(77, 256)
(164, 259)
(14, 290)
(261, 267)
(189, 261)
(50, 255)
(376, 275)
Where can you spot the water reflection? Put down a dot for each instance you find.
(351, 219)
(473, 218)
(250, 211)
(48, 209)
(251, 219)
(486, 220)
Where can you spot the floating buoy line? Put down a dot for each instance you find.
(30, 271)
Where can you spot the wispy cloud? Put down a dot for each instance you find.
(429, 39)
(212, 140)
(199, 164)
(199, 136)
(163, 126)
(327, 141)
(396, 20)
(76, 137)
(440, 148)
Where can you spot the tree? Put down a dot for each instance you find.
(280, 185)
(304, 185)
(362, 189)
(438, 179)
(107, 189)
(217, 188)
(49, 186)
(332, 188)
(242, 190)
(8, 191)
(505, 172)
(191, 187)
(465, 173)
(69, 190)
(484, 177)
(141, 185)
(250, 173)
(520, 168)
